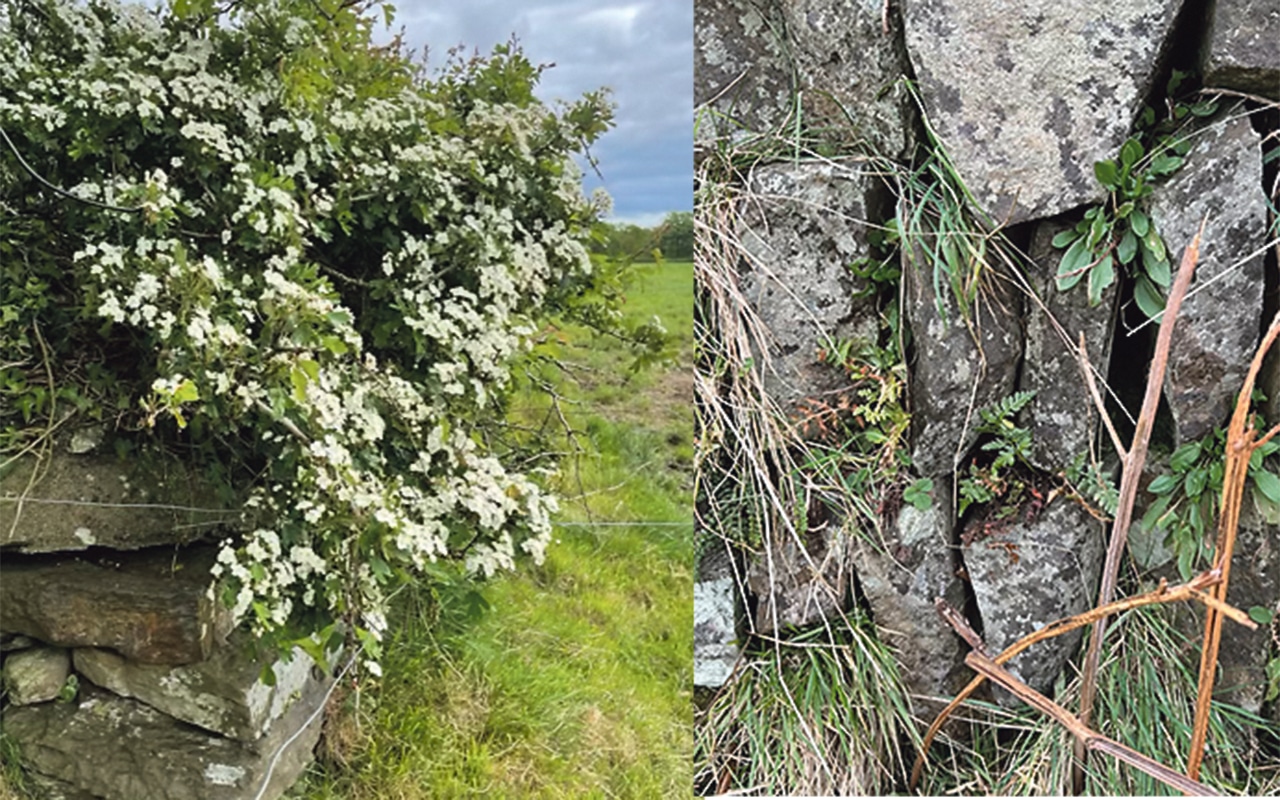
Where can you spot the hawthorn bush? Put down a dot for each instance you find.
(243, 232)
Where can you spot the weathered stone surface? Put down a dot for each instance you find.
(1032, 573)
(850, 72)
(36, 675)
(93, 499)
(741, 69)
(801, 230)
(799, 585)
(1027, 96)
(150, 605)
(223, 694)
(953, 375)
(901, 577)
(1062, 419)
(119, 749)
(715, 635)
(14, 641)
(1218, 326)
(1244, 47)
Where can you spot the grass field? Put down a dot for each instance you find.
(576, 682)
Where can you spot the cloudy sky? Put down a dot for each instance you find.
(641, 49)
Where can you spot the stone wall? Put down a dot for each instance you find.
(1025, 99)
(123, 677)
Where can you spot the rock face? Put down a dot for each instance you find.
(86, 500)
(152, 606)
(1221, 316)
(113, 748)
(740, 67)
(36, 675)
(224, 694)
(953, 375)
(1030, 574)
(797, 585)
(715, 636)
(805, 226)
(1244, 47)
(1027, 96)
(901, 577)
(1061, 418)
(850, 72)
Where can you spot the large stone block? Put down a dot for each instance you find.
(83, 500)
(1244, 47)
(36, 675)
(741, 69)
(223, 694)
(901, 577)
(1062, 419)
(851, 72)
(1027, 96)
(801, 583)
(1220, 320)
(802, 228)
(715, 617)
(152, 605)
(1030, 573)
(960, 365)
(114, 748)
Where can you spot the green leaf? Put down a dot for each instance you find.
(917, 494)
(1261, 615)
(1164, 484)
(334, 345)
(186, 392)
(1125, 209)
(1131, 152)
(1107, 173)
(1165, 165)
(1148, 297)
(1268, 483)
(1157, 270)
(1152, 518)
(1098, 231)
(1065, 238)
(1101, 276)
(1128, 247)
(1070, 267)
(1185, 456)
(1139, 222)
(1155, 244)
(1195, 482)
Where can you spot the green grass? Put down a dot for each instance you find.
(576, 681)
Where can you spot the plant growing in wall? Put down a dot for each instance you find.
(1120, 234)
(1011, 444)
(244, 231)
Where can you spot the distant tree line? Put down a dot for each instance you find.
(673, 239)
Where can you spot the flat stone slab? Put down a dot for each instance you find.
(91, 499)
(1221, 317)
(114, 748)
(1027, 96)
(1029, 574)
(223, 694)
(36, 675)
(1244, 47)
(742, 73)
(151, 606)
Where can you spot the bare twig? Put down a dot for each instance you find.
(1133, 464)
(1082, 357)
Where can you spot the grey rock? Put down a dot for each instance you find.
(88, 500)
(151, 605)
(958, 368)
(1027, 96)
(1218, 326)
(901, 577)
(802, 228)
(743, 76)
(15, 641)
(800, 584)
(715, 643)
(1244, 47)
(1028, 575)
(715, 637)
(36, 675)
(223, 694)
(114, 748)
(851, 72)
(1062, 419)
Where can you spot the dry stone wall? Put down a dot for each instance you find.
(1024, 98)
(123, 677)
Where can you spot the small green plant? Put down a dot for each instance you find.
(1120, 233)
(69, 689)
(1011, 445)
(918, 494)
(1186, 504)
